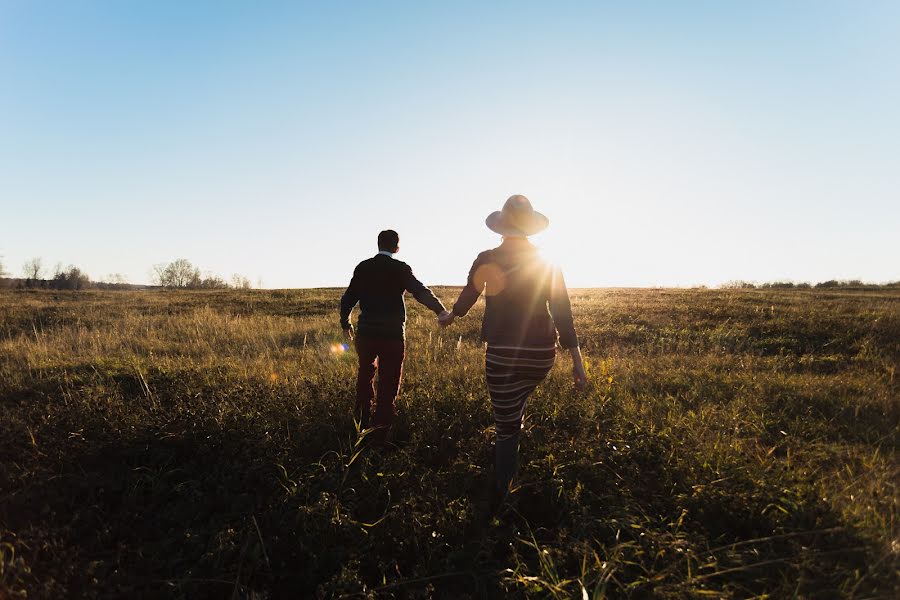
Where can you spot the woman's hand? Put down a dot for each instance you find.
(579, 376)
(445, 318)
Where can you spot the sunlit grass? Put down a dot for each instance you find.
(733, 443)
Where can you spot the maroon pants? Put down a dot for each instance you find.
(385, 356)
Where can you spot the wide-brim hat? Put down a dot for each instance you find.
(517, 218)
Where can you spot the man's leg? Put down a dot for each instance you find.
(365, 381)
(390, 372)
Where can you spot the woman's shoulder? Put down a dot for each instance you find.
(485, 256)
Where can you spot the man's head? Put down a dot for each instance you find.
(388, 241)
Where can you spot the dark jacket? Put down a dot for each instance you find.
(526, 300)
(378, 285)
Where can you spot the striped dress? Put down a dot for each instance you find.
(512, 374)
(527, 309)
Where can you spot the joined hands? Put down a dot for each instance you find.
(445, 318)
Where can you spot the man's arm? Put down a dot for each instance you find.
(421, 293)
(349, 300)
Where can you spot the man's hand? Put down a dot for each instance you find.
(445, 318)
(348, 333)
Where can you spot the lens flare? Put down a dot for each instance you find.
(490, 278)
(339, 348)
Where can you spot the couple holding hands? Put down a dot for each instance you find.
(527, 310)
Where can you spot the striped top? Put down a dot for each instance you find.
(526, 300)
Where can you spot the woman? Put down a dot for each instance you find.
(526, 305)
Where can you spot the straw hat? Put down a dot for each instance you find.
(517, 218)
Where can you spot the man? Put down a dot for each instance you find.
(378, 285)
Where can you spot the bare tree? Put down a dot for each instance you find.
(158, 273)
(33, 268)
(239, 282)
(2, 268)
(177, 274)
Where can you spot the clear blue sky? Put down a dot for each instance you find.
(670, 143)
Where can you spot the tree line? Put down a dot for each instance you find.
(178, 274)
(33, 276)
(181, 274)
(804, 285)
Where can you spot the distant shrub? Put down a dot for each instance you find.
(778, 285)
(71, 279)
(853, 283)
(738, 285)
(209, 282)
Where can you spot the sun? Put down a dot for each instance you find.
(549, 244)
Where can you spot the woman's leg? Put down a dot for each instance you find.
(506, 462)
(512, 374)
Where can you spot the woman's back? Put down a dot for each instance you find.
(526, 298)
(526, 304)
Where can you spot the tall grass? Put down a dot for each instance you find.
(733, 443)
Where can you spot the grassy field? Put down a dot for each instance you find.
(734, 443)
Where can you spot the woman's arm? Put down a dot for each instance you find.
(561, 311)
(469, 294)
(578, 374)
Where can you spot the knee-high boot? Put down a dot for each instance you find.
(507, 462)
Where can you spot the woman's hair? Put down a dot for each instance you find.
(388, 240)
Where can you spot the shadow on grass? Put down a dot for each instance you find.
(203, 512)
(206, 512)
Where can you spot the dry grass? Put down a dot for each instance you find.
(734, 443)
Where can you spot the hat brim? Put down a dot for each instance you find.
(498, 223)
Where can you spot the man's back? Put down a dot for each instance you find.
(378, 285)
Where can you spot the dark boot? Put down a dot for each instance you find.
(506, 465)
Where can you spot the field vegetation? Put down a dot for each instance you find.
(177, 444)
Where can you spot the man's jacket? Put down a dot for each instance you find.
(378, 285)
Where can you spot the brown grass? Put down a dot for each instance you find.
(734, 443)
